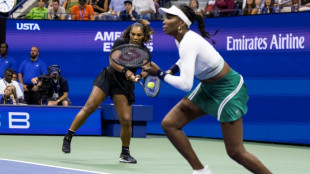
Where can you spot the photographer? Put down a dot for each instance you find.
(52, 87)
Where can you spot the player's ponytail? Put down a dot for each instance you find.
(192, 16)
(202, 28)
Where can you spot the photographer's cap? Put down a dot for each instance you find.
(128, 1)
(54, 70)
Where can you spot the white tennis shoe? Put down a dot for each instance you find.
(205, 170)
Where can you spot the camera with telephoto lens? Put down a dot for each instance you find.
(44, 88)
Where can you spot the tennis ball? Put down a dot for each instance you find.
(150, 84)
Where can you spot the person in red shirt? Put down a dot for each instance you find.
(225, 7)
(82, 11)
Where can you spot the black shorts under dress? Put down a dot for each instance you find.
(112, 83)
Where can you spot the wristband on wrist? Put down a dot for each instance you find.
(141, 77)
(124, 71)
(161, 74)
(174, 69)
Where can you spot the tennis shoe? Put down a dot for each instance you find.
(127, 158)
(205, 170)
(66, 145)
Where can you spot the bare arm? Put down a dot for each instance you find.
(20, 78)
(35, 80)
(64, 96)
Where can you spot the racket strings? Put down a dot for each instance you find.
(152, 91)
(130, 56)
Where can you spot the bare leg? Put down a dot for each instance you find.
(233, 138)
(181, 114)
(96, 97)
(123, 110)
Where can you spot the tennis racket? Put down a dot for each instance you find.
(130, 56)
(151, 92)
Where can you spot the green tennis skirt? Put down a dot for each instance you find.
(226, 99)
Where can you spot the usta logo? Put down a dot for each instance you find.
(27, 26)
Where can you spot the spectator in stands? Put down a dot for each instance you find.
(305, 5)
(68, 4)
(56, 12)
(117, 82)
(115, 8)
(7, 80)
(9, 95)
(156, 4)
(294, 7)
(249, 6)
(6, 61)
(238, 7)
(209, 9)
(39, 12)
(14, 78)
(269, 7)
(82, 11)
(194, 4)
(61, 3)
(145, 8)
(288, 6)
(100, 6)
(128, 14)
(226, 7)
(259, 5)
(28, 70)
(56, 88)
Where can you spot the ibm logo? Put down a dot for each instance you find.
(27, 26)
(18, 120)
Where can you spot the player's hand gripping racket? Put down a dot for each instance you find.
(151, 85)
(130, 56)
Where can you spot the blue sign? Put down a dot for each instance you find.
(45, 120)
(272, 55)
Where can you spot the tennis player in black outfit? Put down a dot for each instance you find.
(117, 82)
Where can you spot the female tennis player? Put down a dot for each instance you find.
(117, 82)
(220, 93)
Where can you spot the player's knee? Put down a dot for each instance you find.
(166, 125)
(89, 108)
(236, 155)
(126, 121)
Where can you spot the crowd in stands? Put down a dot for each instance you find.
(95, 10)
(148, 9)
(31, 82)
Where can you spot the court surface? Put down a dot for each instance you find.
(27, 154)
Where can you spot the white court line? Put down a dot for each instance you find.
(52, 166)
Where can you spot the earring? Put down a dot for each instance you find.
(180, 29)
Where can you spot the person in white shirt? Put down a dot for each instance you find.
(145, 8)
(220, 93)
(7, 80)
(56, 12)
